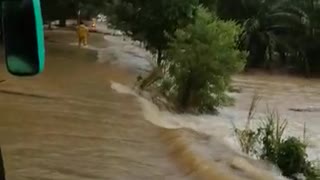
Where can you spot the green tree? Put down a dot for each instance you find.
(201, 59)
(151, 21)
(63, 9)
(58, 10)
(91, 8)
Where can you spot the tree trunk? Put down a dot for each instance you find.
(186, 92)
(49, 25)
(1, 34)
(79, 17)
(159, 57)
(307, 68)
(283, 58)
(62, 22)
(1, 37)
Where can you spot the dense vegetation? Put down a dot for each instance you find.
(63, 9)
(279, 34)
(151, 22)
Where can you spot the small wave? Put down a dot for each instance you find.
(128, 55)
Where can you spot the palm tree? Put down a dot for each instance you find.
(273, 27)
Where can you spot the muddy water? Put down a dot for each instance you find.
(67, 123)
(74, 123)
(278, 94)
(81, 120)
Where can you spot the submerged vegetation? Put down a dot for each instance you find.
(267, 142)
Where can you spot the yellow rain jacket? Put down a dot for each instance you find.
(83, 33)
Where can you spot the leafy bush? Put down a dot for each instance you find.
(201, 59)
(292, 157)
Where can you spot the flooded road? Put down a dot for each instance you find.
(80, 120)
(67, 123)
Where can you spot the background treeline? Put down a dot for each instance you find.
(279, 34)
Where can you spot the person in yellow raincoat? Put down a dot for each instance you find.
(83, 33)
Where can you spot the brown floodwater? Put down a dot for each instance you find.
(68, 124)
(71, 123)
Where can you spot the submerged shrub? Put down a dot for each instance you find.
(267, 142)
(272, 130)
(292, 157)
(202, 57)
(289, 153)
(248, 138)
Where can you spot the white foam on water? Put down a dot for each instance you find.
(150, 111)
(128, 54)
(122, 89)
